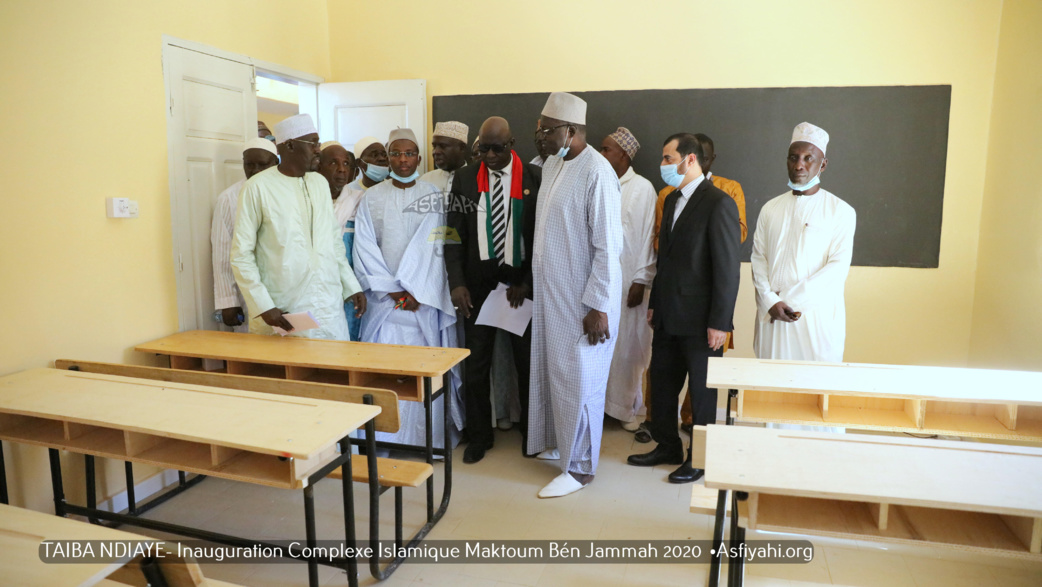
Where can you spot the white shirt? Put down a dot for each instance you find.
(685, 195)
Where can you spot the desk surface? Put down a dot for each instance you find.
(307, 352)
(21, 532)
(929, 473)
(257, 422)
(904, 381)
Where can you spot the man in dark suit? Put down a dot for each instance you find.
(493, 213)
(692, 299)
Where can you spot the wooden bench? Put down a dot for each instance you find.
(391, 473)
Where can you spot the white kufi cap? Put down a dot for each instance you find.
(808, 133)
(323, 146)
(452, 130)
(402, 134)
(259, 143)
(565, 107)
(294, 127)
(363, 144)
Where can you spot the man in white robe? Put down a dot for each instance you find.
(399, 239)
(287, 251)
(625, 397)
(258, 155)
(577, 296)
(801, 255)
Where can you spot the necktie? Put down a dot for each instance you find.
(499, 225)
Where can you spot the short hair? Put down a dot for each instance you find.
(687, 144)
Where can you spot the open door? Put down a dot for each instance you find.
(348, 111)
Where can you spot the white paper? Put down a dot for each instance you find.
(496, 311)
(301, 321)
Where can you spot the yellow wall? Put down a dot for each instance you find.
(1007, 315)
(894, 315)
(75, 283)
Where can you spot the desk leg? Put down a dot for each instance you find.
(428, 407)
(56, 482)
(128, 469)
(92, 493)
(3, 477)
(736, 565)
(447, 485)
(721, 510)
(309, 526)
(349, 511)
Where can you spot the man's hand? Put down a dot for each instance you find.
(230, 316)
(636, 295)
(359, 302)
(595, 327)
(516, 294)
(461, 300)
(651, 318)
(273, 317)
(717, 338)
(782, 312)
(411, 304)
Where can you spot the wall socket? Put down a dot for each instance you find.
(121, 208)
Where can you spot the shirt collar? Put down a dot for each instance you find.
(691, 187)
(630, 174)
(505, 171)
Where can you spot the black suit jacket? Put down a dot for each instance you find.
(698, 265)
(463, 261)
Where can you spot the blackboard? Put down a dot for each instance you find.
(886, 153)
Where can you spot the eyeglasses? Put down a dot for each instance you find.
(269, 137)
(314, 144)
(497, 149)
(545, 132)
(406, 154)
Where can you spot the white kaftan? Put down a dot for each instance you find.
(801, 255)
(625, 395)
(398, 244)
(288, 252)
(575, 268)
(225, 291)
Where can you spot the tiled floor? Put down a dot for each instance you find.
(496, 499)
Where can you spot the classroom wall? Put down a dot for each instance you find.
(909, 316)
(75, 283)
(1007, 313)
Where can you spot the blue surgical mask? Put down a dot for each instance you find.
(375, 172)
(671, 175)
(410, 179)
(564, 150)
(802, 188)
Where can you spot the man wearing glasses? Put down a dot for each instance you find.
(399, 233)
(493, 213)
(578, 296)
(287, 254)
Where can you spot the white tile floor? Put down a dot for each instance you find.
(496, 499)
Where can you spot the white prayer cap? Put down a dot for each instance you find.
(363, 144)
(323, 146)
(452, 130)
(565, 107)
(294, 127)
(808, 133)
(258, 143)
(402, 134)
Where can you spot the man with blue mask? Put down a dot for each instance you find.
(398, 247)
(577, 282)
(692, 301)
(802, 247)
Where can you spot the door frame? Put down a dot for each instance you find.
(175, 143)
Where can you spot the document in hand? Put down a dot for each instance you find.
(301, 321)
(496, 311)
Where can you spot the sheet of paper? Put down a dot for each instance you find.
(496, 311)
(301, 321)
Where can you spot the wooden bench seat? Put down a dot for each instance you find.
(393, 472)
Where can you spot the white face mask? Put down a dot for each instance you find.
(802, 188)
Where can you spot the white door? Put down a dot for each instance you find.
(348, 111)
(212, 110)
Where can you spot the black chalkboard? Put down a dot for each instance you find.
(886, 153)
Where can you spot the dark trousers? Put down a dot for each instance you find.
(673, 358)
(480, 340)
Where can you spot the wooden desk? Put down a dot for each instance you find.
(973, 497)
(237, 435)
(22, 531)
(1003, 405)
(399, 368)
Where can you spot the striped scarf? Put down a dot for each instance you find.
(513, 254)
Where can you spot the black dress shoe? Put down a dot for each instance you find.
(475, 452)
(659, 456)
(686, 474)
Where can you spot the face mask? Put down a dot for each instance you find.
(410, 179)
(802, 188)
(671, 175)
(376, 172)
(564, 150)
